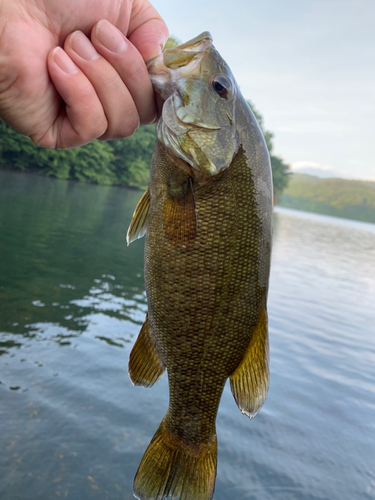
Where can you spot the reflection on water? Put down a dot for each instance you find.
(72, 302)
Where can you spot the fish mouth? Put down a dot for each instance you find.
(178, 62)
(188, 49)
(196, 41)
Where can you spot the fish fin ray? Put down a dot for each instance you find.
(249, 382)
(138, 224)
(145, 365)
(180, 217)
(170, 471)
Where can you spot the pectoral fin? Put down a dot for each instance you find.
(138, 225)
(249, 382)
(180, 219)
(145, 365)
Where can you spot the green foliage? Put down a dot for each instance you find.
(280, 170)
(280, 177)
(132, 157)
(90, 163)
(268, 136)
(125, 162)
(339, 197)
(94, 163)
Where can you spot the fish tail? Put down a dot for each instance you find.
(169, 469)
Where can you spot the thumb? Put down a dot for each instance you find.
(147, 30)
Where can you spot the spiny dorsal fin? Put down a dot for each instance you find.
(249, 382)
(138, 225)
(145, 365)
(180, 218)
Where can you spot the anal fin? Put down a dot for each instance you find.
(249, 382)
(145, 365)
(138, 225)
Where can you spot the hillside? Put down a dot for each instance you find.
(338, 197)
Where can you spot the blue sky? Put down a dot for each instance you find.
(309, 68)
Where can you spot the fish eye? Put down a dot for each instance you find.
(221, 85)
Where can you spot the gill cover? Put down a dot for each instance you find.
(198, 122)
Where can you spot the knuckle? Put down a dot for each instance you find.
(125, 128)
(46, 141)
(131, 67)
(131, 123)
(95, 128)
(137, 72)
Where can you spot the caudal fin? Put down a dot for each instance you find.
(167, 471)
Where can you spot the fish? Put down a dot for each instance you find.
(207, 218)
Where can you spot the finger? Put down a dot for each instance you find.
(129, 64)
(82, 119)
(117, 102)
(147, 30)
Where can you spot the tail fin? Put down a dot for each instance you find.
(167, 471)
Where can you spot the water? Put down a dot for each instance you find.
(72, 302)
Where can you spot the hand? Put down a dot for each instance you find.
(66, 97)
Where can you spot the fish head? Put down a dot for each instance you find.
(198, 122)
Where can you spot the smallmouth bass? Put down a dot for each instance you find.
(207, 216)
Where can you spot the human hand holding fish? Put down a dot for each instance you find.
(207, 217)
(74, 71)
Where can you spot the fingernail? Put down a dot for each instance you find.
(63, 61)
(82, 46)
(110, 37)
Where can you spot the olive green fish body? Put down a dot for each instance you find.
(204, 296)
(207, 261)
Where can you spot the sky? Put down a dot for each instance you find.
(308, 66)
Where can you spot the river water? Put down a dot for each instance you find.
(72, 302)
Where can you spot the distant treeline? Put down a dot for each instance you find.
(339, 197)
(125, 162)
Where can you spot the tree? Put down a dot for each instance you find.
(280, 170)
(124, 162)
(90, 163)
(132, 157)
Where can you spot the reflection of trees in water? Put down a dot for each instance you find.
(64, 257)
